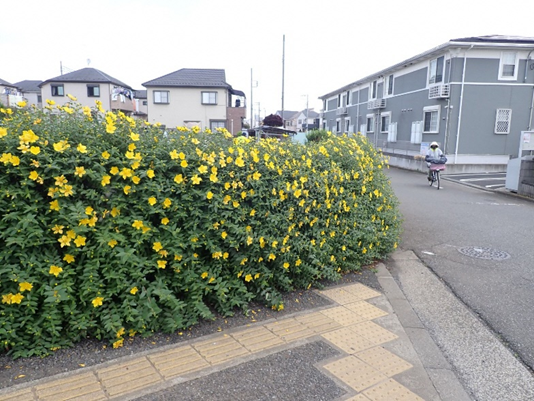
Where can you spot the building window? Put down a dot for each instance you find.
(431, 120)
(93, 90)
(370, 123)
(209, 97)
(57, 90)
(373, 89)
(389, 91)
(217, 124)
(145, 103)
(435, 70)
(348, 98)
(503, 121)
(338, 128)
(347, 125)
(161, 97)
(508, 65)
(385, 119)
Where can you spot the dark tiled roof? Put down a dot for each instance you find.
(5, 83)
(496, 39)
(192, 77)
(287, 114)
(140, 94)
(29, 86)
(91, 75)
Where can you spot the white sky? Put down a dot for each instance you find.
(328, 43)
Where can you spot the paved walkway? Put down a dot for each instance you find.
(377, 359)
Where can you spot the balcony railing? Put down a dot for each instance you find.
(376, 104)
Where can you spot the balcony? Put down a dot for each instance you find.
(376, 104)
(439, 91)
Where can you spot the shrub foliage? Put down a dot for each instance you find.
(111, 227)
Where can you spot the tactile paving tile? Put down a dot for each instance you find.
(175, 362)
(128, 376)
(358, 397)
(257, 339)
(355, 373)
(361, 291)
(82, 386)
(289, 329)
(384, 361)
(347, 340)
(343, 316)
(373, 332)
(220, 349)
(318, 322)
(22, 395)
(366, 310)
(391, 390)
(341, 296)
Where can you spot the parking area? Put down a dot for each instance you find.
(492, 181)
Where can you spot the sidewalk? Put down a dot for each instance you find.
(358, 346)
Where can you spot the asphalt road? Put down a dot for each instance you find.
(491, 181)
(481, 244)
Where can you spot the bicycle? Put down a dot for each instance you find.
(435, 174)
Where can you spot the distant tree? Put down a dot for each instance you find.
(273, 120)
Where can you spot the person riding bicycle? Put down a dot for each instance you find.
(434, 155)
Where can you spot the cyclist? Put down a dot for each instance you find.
(433, 156)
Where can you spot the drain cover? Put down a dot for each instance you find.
(484, 253)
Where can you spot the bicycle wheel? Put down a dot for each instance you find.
(432, 178)
(437, 177)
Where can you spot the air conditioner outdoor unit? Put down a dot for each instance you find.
(439, 91)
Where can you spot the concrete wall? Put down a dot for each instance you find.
(526, 178)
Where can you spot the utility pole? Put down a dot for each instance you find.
(252, 86)
(283, 67)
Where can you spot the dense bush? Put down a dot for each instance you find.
(317, 135)
(111, 227)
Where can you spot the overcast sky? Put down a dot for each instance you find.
(328, 44)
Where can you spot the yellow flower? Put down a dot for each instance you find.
(127, 189)
(50, 102)
(55, 270)
(114, 170)
(118, 343)
(110, 128)
(150, 173)
(106, 180)
(134, 290)
(196, 179)
(167, 203)
(204, 275)
(71, 97)
(224, 235)
(80, 171)
(54, 205)
(135, 137)
(64, 241)
(68, 258)
(57, 229)
(157, 246)
(239, 161)
(97, 301)
(136, 180)
(115, 212)
(298, 262)
(21, 104)
(35, 150)
(34, 175)
(125, 173)
(286, 265)
(203, 169)
(25, 286)
(248, 278)
(209, 195)
(138, 224)
(60, 180)
(162, 264)
(106, 155)
(112, 243)
(152, 201)
(79, 241)
(165, 221)
(184, 163)
(15, 299)
(89, 210)
(179, 179)
(3, 132)
(256, 176)
(174, 154)
(81, 148)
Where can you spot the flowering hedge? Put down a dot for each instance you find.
(111, 227)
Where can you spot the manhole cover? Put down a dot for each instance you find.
(484, 253)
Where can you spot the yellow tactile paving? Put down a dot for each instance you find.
(355, 373)
(373, 332)
(178, 361)
(384, 361)
(220, 349)
(366, 310)
(22, 395)
(75, 386)
(257, 339)
(368, 368)
(343, 316)
(347, 340)
(391, 390)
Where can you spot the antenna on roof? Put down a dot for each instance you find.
(88, 62)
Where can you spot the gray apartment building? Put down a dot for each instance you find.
(474, 96)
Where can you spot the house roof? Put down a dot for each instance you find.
(87, 75)
(192, 77)
(288, 115)
(310, 114)
(499, 41)
(5, 83)
(29, 86)
(140, 94)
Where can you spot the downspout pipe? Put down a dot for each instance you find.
(532, 102)
(460, 106)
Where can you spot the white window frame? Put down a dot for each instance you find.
(209, 97)
(214, 124)
(386, 85)
(347, 126)
(433, 71)
(373, 90)
(161, 97)
(431, 109)
(371, 118)
(387, 114)
(505, 62)
(503, 117)
(57, 89)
